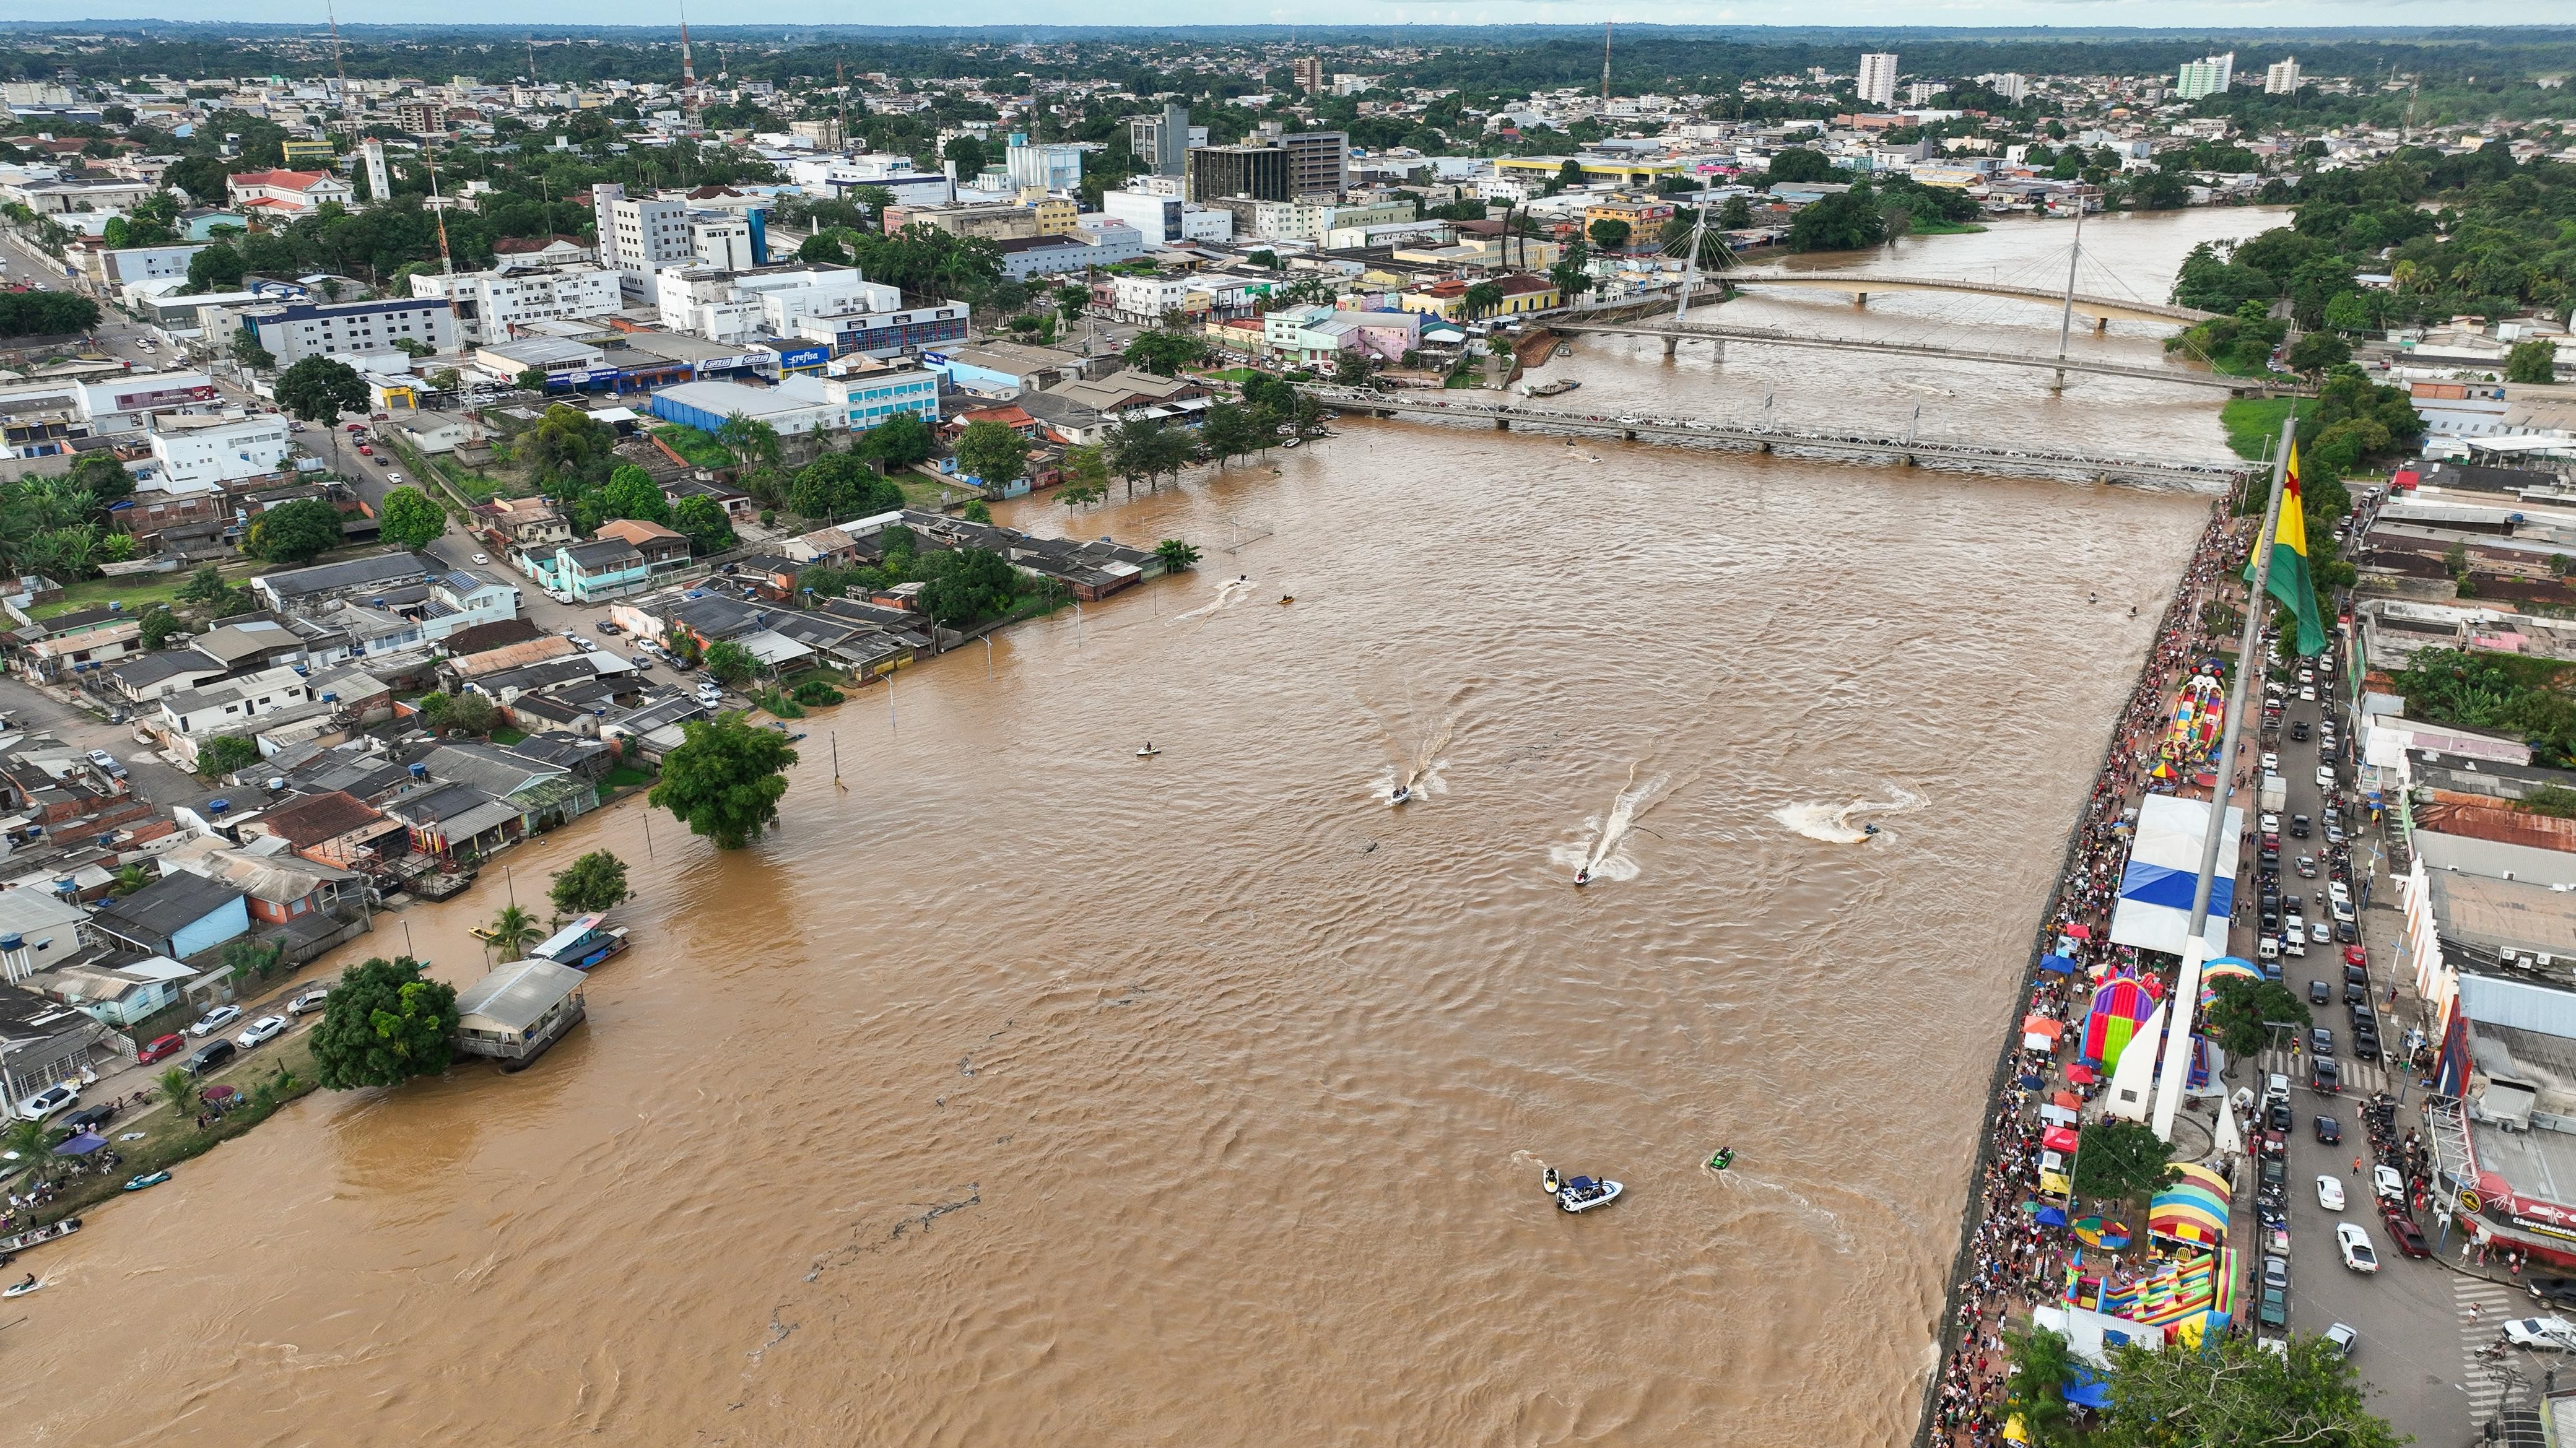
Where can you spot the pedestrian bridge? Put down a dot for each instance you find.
(1673, 334)
(1861, 285)
(1956, 454)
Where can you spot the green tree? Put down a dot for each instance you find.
(725, 779)
(1608, 233)
(29, 1142)
(567, 441)
(900, 441)
(100, 475)
(703, 521)
(178, 1088)
(216, 269)
(130, 879)
(2119, 1160)
(386, 1023)
(1165, 353)
(2319, 352)
(1735, 215)
(964, 586)
(410, 518)
(748, 437)
(513, 931)
(992, 454)
(1086, 477)
(2036, 1390)
(2532, 361)
(595, 882)
(1846, 221)
(1572, 271)
(976, 511)
(968, 153)
(158, 625)
(530, 379)
(318, 390)
(1481, 300)
(1227, 432)
(730, 662)
(2237, 1019)
(1177, 555)
(293, 532)
(1797, 163)
(630, 492)
(2237, 1393)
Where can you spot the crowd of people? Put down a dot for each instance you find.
(2014, 1263)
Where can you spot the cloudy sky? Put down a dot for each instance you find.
(2162, 13)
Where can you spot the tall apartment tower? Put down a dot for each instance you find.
(639, 238)
(1319, 163)
(1878, 79)
(2281, 77)
(1309, 73)
(2209, 75)
(380, 186)
(1163, 142)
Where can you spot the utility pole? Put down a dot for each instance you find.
(2066, 318)
(1605, 74)
(438, 209)
(841, 82)
(2174, 1070)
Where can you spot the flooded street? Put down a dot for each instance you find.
(1026, 1091)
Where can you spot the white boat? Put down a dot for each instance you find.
(21, 1289)
(1402, 793)
(1581, 1194)
(34, 1235)
(1148, 752)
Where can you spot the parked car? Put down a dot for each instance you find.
(2271, 762)
(2341, 1338)
(2320, 1040)
(309, 1002)
(2354, 1244)
(2277, 1116)
(2276, 1272)
(215, 1020)
(102, 759)
(2330, 1193)
(2552, 1289)
(482, 558)
(2318, 993)
(159, 1048)
(608, 627)
(2329, 1131)
(2275, 1308)
(2365, 1045)
(2325, 776)
(2408, 1237)
(262, 1031)
(48, 1101)
(91, 1118)
(2387, 1184)
(209, 1056)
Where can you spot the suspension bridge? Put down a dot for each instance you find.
(1674, 333)
(1954, 454)
(1861, 285)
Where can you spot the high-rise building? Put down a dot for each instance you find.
(639, 237)
(2209, 75)
(1319, 162)
(1043, 165)
(1309, 73)
(1163, 141)
(1921, 92)
(1259, 172)
(2281, 77)
(2011, 85)
(1878, 79)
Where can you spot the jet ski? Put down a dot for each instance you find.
(148, 1179)
(1149, 751)
(1869, 829)
(1583, 877)
(1401, 793)
(21, 1289)
(1724, 1158)
(1580, 1194)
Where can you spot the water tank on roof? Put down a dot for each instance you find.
(276, 782)
(64, 886)
(218, 806)
(420, 771)
(12, 942)
(330, 698)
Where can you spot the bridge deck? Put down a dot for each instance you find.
(1949, 453)
(1766, 336)
(2123, 308)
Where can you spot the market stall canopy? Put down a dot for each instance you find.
(2058, 1138)
(2058, 964)
(2082, 1075)
(2067, 1099)
(2154, 912)
(2038, 1025)
(81, 1145)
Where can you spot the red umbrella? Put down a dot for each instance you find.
(2081, 1074)
(2058, 1138)
(2042, 1026)
(218, 1093)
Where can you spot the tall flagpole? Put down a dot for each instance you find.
(2173, 1071)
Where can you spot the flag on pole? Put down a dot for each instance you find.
(2290, 581)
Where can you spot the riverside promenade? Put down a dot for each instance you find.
(2007, 1264)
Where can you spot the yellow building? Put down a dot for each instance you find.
(305, 154)
(1056, 215)
(1595, 168)
(1447, 300)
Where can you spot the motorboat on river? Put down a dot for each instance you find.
(1581, 1194)
(1400, 794)
(36, 1235)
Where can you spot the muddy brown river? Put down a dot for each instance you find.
(1026, 1091)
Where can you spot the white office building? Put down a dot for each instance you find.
(491, 306)
(296, 330)
(1878, 79)
(221, 452)
(640, 236)
(1043, 165)
(1165, 219)
(2281, 77)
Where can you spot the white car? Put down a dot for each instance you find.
(2385, 1182)
(48, 1101)
(2271, 764)
(2271, 824)
(2546, 1334)
(2354, 1244)
(215, 1020)
(2341, 1338)
(2330, 1193)
(102, 759)
(2320, 934)
(318, 998)
(2325, 776)
(2308, 695)
(482, 558)
(263, 1030)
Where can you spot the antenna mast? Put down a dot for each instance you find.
(1605, 68)
(438, 209)
(338, 66)
(841, 81)
(688, 69)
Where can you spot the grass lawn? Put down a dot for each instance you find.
(627, 777)
(507, 735)
(2254, 423)
(171, 1137)
(922, 491)
(1938, 227)
(138, 593)
(700, 448)
(1232, 376)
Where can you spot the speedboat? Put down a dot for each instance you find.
(1580, 1194)
(1402, 793)
(148, 1179)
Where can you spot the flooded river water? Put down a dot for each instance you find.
(1026, 1091)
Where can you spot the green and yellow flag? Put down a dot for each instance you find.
(2290, 581)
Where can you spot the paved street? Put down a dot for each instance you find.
(151, 778)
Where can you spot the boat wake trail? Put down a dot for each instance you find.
(1232, 591)
(1421, 768)
(1604, 855)
(1829, 1221)
(1841, 824)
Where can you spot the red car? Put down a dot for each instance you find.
(2408, 1237)
(165, 1046)
(2352, 956)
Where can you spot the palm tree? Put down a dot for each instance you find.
(1177, 556)
(514, 930)
(131, 879)
(27, 1140)
(177, 1087)
(749, 438)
